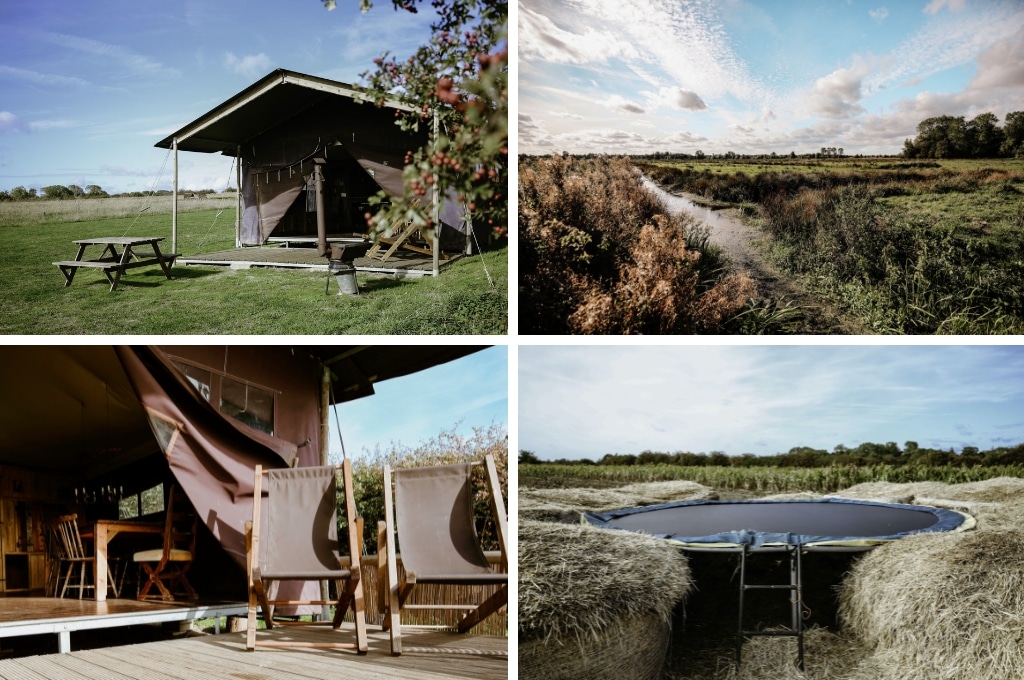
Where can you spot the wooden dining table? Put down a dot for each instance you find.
(113, 263)
(104, 530)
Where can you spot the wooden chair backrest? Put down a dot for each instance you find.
(69, 540)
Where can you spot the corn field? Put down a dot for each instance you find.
(766, 480)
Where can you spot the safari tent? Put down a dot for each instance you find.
(294, 136)
(87, 428)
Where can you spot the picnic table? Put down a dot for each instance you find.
(114, 264)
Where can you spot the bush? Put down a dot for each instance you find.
(598, 254)
(447, 448)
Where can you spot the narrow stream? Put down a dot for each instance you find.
(729, 233)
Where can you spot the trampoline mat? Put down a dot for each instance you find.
(838, 520)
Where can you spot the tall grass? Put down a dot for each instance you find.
(765, 480)
(41, 212)
(897, 269)
(598, 254)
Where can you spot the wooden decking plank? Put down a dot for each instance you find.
(13, 671)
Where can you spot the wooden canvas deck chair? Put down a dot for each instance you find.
(302, 545)
(432, 511)
(166, 567)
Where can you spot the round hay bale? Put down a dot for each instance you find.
(566, 505)
(941, 606)
(634, 651)
(595, 603)
(995, 503)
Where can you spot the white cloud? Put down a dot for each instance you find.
(38, 78)
(539, 37)
(683, 99)
(133, 61)
(935, 5)
(11, 123)
(622, 105)
(879, 14)
(838, 94)
(250, 66)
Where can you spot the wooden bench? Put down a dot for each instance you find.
(114, 265)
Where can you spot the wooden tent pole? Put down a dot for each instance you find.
(321, 218)
(436, 213)
(174, 205)
(238, 198)
(325, 446)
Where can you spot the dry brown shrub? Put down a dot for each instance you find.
(598, 254)
(660, 293)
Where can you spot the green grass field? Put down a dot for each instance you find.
(903, 247)
(217, 300)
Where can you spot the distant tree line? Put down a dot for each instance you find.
(73, 191)
(867, 453)
(956, 137)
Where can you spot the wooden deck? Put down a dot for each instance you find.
(224, 656)
(28, 616)
(400, 264)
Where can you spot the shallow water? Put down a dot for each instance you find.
(729, 233)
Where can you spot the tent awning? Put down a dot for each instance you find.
(259, 107)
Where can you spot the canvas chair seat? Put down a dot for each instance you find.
(299, 542)
(155, 555)
(166, 568)
(431, 510)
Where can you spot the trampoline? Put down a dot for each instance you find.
(837, 523)
(791, 526)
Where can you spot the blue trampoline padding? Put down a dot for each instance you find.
(831, 521)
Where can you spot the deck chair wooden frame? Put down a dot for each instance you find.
(262, 574)
(167, 567)
(450, 512)
(400, 241)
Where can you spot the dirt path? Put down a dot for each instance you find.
(738, 240)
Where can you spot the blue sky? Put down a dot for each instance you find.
(459, 395)
(87, 88)
(585, 401)
(753, 76)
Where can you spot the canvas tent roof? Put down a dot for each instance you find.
(270, 101)
(73, 409)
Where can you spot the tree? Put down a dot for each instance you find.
(1013, 132)
(461, 75)
(57, 191)
(984, 136)
(528, 458)
(95, 191)
(22, 194)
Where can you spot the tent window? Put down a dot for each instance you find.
(248, 404)
(199, 377)
(243, 401)
(148, 502)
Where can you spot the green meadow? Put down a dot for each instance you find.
(217, 300)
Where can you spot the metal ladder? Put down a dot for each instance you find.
(795, 587)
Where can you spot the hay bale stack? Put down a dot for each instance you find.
(595, 604)
(996, 503)
(566, 505)
(941, 606)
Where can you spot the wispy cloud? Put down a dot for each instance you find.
(133, 61)
(37, 78)
(11, 123)
(879, 14)
(250, 65)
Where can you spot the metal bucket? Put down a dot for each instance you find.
(345, 275)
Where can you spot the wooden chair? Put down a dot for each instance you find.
(71, 553)
(301, 536)
(166, 567)
(432, 508)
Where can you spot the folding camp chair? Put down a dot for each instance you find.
(433, 513)
(166, 567)
(302, 545)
